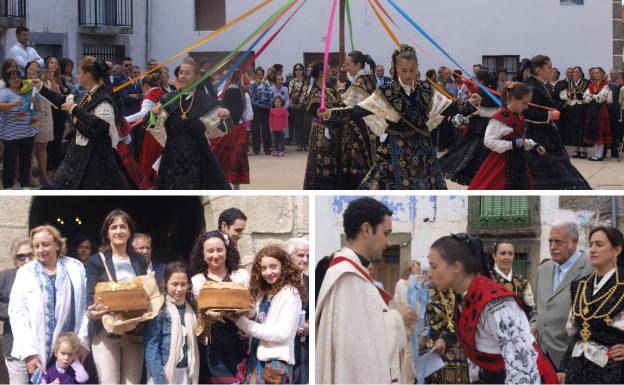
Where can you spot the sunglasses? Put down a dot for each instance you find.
(298, 69)
(23, 257)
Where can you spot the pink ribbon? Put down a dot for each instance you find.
(330, 30)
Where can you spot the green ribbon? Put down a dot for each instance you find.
(214, 69)
(350, 22)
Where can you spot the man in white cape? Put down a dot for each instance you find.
(358, 337)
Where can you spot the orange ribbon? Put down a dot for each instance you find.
(197, 44)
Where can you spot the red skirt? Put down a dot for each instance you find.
(151, 150)
(604, 128)
(231, 153)
(492, 174)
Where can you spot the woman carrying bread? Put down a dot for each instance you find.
(118, 359)
(221, 349)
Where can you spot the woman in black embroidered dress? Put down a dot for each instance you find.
(184, 128)
(490, 325)
(91, 161)
(596, 355)
(575, 112)
(404, 110)
(356, 143)
(462, 162)
(442, 338)
(322, 167)
(502, 272)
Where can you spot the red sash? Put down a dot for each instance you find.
(482, 291)
(384, 294)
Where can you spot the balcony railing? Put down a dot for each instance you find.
(105, 13)
(15, 9)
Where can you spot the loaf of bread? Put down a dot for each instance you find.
(224, 296)
(122, 296)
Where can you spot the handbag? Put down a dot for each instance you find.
(273, 374)
(215, 127)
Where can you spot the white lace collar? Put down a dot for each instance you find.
(498, 271)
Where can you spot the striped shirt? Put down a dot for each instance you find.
(14, 124)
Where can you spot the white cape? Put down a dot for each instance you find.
(358, 338)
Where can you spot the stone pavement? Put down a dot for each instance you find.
(287, 173)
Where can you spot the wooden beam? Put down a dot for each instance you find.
(343, 54)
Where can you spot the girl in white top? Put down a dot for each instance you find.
(276, 289)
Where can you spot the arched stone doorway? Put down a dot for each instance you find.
(173, 222)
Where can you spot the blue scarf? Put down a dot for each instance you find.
(418, 293)
(47, 286)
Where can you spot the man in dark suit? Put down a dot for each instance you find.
(380, 78)
(142, 244)
(132, 95)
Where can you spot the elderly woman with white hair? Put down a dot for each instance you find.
(48, 299)
(299, 251)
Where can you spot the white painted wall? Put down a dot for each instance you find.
(61, 16)
(452, 217)
(467, 28)
(415, 215)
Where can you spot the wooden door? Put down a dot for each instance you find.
(388, 269)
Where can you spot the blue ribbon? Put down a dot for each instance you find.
(418, 293)
(244, 56)
(438, 46)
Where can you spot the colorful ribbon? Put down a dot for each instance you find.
(439, 47)
(197, 44)
(384, 24)
(396, 41)
(268, 42)
(240, 60)
(209, 73)
(330, 31)
(350, 23)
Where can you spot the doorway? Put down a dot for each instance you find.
(173, 222)
(314, 57)
(387, 270)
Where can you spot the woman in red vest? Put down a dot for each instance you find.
(491, 327)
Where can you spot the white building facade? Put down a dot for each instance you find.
(491, 32)
(111, 29)
(418, 221)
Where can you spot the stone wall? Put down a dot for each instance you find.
(271, 220)
(14, 212)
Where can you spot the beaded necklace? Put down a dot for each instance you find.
(576, 92)
(582, 303)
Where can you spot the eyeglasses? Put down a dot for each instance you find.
(298, 69)
(23, 257)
